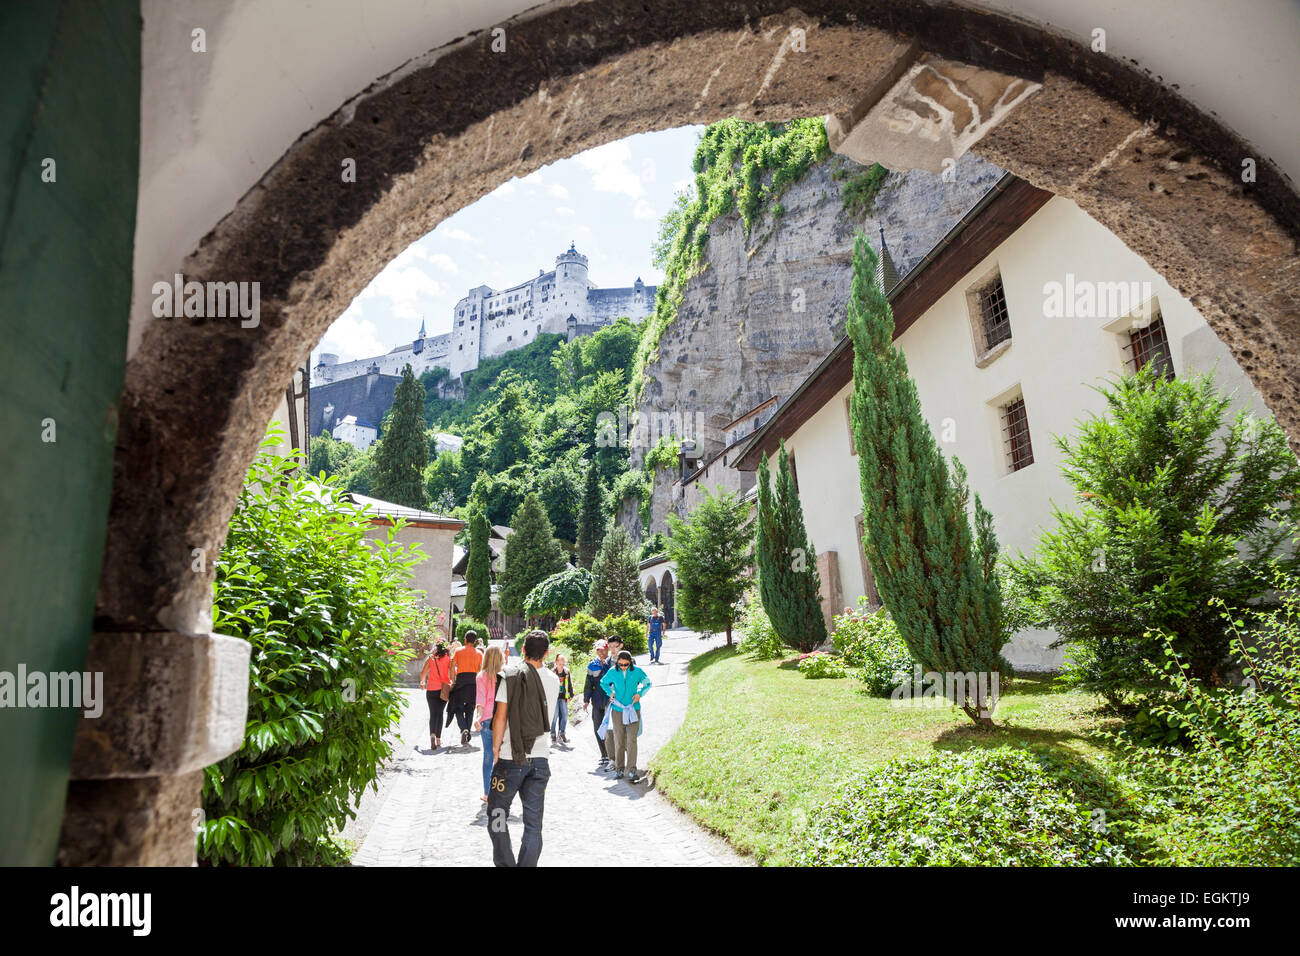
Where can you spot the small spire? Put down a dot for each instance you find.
(421, 326)
(887, 274)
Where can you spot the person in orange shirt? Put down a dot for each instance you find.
(465, 664)
(435, 673)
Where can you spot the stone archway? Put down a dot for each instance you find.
(439, 133)
(651, 591)
(668, 597)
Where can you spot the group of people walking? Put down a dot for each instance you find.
(513, 707)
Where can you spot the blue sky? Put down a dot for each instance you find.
(608, 201)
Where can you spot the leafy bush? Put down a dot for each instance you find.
(558, 593)
(859, 193)
(579, 632)
(868, 639)
(325, 610)
(979, 808)
(653, 546)
(465, 625)
(1232, 796)
(820, 664)
(759, 636)
(1177, 506)
(632, 630)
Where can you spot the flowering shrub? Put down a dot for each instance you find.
(820, 664)
(427, 629)
(759, 637)
(869, 639)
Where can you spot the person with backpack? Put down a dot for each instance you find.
(526, 699)
(625, 684)
(435, 678)
(594, 696)
(655, 635)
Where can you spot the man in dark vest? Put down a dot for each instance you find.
(521, 745)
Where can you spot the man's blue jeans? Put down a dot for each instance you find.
(656, 645)
(527, 778)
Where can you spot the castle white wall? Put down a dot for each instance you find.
(1053, 362)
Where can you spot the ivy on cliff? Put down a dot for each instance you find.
(739, 167)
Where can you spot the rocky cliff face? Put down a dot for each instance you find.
(770, 304)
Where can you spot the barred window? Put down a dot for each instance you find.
(1015, 435)
(1148, 345)
(995, 321)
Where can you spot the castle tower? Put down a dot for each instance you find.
(571, 288)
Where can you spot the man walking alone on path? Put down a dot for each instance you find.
(521, 745)
(594, 696)
(655, 635)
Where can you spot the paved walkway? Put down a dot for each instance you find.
(426, 810)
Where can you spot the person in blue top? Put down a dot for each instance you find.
(626, 684)
(655, 634)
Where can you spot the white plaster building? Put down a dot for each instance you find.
(1005, 350)
(489, 322)
(358, 433)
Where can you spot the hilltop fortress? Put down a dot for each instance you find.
(490, 322)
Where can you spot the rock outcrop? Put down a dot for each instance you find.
(770, 303)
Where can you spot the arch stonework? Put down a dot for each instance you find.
(442, 131)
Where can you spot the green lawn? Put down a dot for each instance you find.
(762, 745)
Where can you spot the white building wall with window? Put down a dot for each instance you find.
(1053, 363)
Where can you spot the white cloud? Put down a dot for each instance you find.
(643, 210)
(352, 337)
(564, 211)
(505, 189)
(558, 191)
(457, 235)
(442, 261)
(405, 288)
(610, 172)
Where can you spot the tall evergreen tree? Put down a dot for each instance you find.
(512, 426)
(787, 569)
(591, 518)
(936, 577)
(403, 451)
(712, 551)
(531, 555)
(478, 572)
(615, 578)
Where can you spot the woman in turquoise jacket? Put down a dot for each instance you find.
(626, 684)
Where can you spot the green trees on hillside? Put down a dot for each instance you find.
(531, 555)
(787, 568)
(478, 570)
(615, 585)
(937, 577)
(591, 517)
(402, 452)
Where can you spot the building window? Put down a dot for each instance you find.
(1015, 435)
(990, 318)
(1150, 345)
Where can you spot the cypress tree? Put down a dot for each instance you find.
(531, 555)
(402, 454)
(478, 573)
(788, 582)
(591, 519)
(615, 578)
(936, 577)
